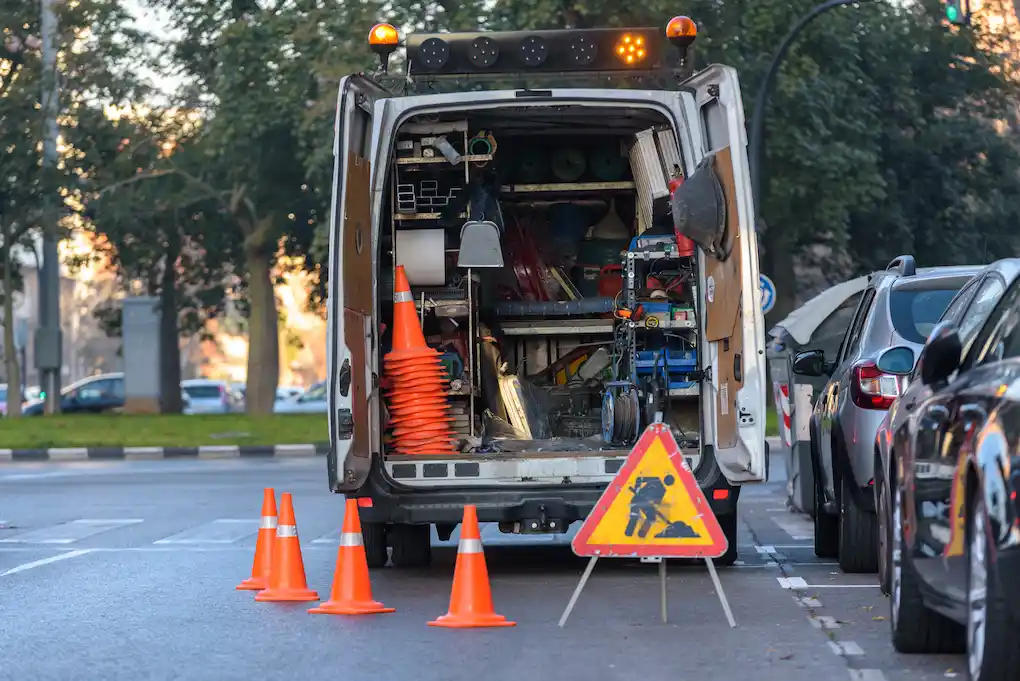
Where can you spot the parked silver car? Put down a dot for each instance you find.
(898, 309)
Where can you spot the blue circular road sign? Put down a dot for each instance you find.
(768, 294)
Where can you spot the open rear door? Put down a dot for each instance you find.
(734, 326)
(351, 327)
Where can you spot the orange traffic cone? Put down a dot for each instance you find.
(287, 576)
(263, 545)
(416, 396)
(471, 599)
(351, 593)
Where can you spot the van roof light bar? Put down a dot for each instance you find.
(600, 52)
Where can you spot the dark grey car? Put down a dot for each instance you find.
(898, 309)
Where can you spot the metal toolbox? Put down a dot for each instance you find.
(653, 157)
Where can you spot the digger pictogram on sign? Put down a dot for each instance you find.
(653, 508)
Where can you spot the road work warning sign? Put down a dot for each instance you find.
(652, 508)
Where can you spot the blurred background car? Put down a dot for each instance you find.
(311, 402)
(287, 392)
(3, 399)
(92, 395)
(209, 396)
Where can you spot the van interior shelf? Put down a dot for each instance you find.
(553, 187)
(436, 160)
(422, 216)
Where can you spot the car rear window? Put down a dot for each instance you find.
(3, 394)
(202, 392)
(915, 311)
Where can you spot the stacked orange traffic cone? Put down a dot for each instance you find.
(417, 397)
(471, 599)
(287, 575)
(263, 563)
(351, 593)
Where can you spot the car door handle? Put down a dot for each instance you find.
(935, 417)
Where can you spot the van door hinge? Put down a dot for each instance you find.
(344, 424)
(713, 90)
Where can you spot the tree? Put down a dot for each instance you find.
(155, 228)
(255, 83)
(98, 55)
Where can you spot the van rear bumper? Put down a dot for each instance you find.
(384, 503)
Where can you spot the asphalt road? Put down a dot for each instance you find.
(126, 570)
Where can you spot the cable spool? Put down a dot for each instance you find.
(620, 417)
(482, 144)
(531, 166)
(568, 164)
(606, 162)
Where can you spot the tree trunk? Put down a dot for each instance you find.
(263, 335)
(170, 401)
(10, 352)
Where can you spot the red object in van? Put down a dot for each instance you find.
(610, 281)
(684, 245)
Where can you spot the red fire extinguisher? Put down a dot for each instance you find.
(684, 245)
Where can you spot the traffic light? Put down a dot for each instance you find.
(957, 12)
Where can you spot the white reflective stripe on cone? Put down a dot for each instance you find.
(351, 539)
(268, 522)
(403, 297)
(284, 531)
(470, 546)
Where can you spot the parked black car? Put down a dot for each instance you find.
(93, 395)
(947, 474)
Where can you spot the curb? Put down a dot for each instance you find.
(145, 453)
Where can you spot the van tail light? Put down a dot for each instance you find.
(871, 388)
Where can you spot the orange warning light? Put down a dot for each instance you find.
(631, 48)
(682, 28)
(383, 35)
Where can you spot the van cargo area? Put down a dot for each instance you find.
(545, 271)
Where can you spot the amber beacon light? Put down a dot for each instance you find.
(681, 31)
(383, 39)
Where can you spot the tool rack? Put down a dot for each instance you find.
(408, 206)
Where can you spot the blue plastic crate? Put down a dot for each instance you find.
(677, 362)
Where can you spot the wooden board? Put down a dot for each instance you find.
(723, 321)
(357, 330)
(357, 236)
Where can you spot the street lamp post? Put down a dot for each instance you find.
(757, 141)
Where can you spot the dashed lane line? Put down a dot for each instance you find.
(45, 561)
(68, 533)
(824, 622)
(866, 675)
(845, 648)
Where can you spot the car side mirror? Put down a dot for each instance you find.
(811, 363)
(898, 361)
(941, 355)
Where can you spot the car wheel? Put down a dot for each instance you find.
(374, 537)
(826, 526)
(412, 545)
(728, 523)
(858, 532)
(915, 628)
(884, 535)
(992, 651)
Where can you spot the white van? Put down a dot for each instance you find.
(568, 316)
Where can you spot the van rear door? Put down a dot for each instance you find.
(734, 324)
(351, 304)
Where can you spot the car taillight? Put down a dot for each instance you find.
(871, 388)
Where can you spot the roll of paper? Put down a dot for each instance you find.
(422, 252)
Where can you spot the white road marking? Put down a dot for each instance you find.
(68, 533)
(792, 582)
(798, 528)
(222, 531)
(845, 648)
(808, 602)
(824, 622)
(45, 561)
(765, 550)
(866, 675)
(331, 538)
(841, 586)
